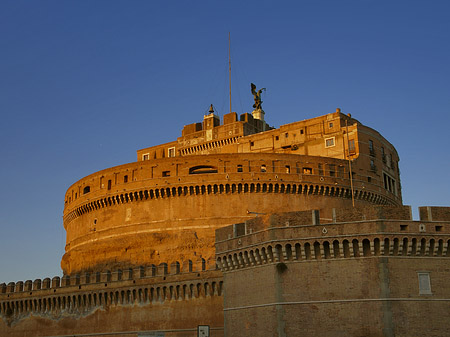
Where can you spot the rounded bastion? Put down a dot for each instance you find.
(168, 209)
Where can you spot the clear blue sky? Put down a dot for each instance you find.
(84, 84)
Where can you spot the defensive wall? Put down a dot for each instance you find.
(361, 272)
(172, 300)
(367, 271)
(167, 209)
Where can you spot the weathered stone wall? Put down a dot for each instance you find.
(434, 213)
(357, 278)
(121, 303)
(151, 219)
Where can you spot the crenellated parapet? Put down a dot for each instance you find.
(349, 233)
(82, 294)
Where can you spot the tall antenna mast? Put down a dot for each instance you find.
(229, 63)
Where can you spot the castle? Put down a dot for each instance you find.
(241, 229)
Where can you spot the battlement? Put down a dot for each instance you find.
(162, 270)
(434, 213)
(361, 232)
(85, 293)
(341, 216)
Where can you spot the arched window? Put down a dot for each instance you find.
(202, 169)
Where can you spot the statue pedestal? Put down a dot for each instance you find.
(258, 114)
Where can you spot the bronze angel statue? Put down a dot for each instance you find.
(257, 97)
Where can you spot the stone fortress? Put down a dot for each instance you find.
(241, 229)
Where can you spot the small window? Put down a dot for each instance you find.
(171, 152)
(330, 125)
(166, 174)
(424, 283)
(329, 142)
(351, 146)
(286, 135)
(320, 167)
(109, 184)
(403, 227)
(371, 148)
(252, 143)
(372, 165)
(263, 168)
(87, 189)
(202, 169)
(438, 228)
(307, 170)
(332, 170)
(145, 156)
(369, 179)
(301, 131)
(239, 168)
(277, 137)
(125, 179)
(288, 169)
(76, 195)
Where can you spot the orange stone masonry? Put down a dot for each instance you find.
(166, 207)
(249, 230)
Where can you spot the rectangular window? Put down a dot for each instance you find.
(109, 184)
(286, 135)
(351, 146)
(330, 125)
(125, 179)
(171, 152)
(263, 168)
(166, 174)
(320, 167)
(329, 142)
(332, 170)
(145, 156)
(239, 168)
(372, 165)
(277, 138)
(288, 169)
(307, 170)
(371, 148)
(389, 183)
(424, 283)
(301, 131)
